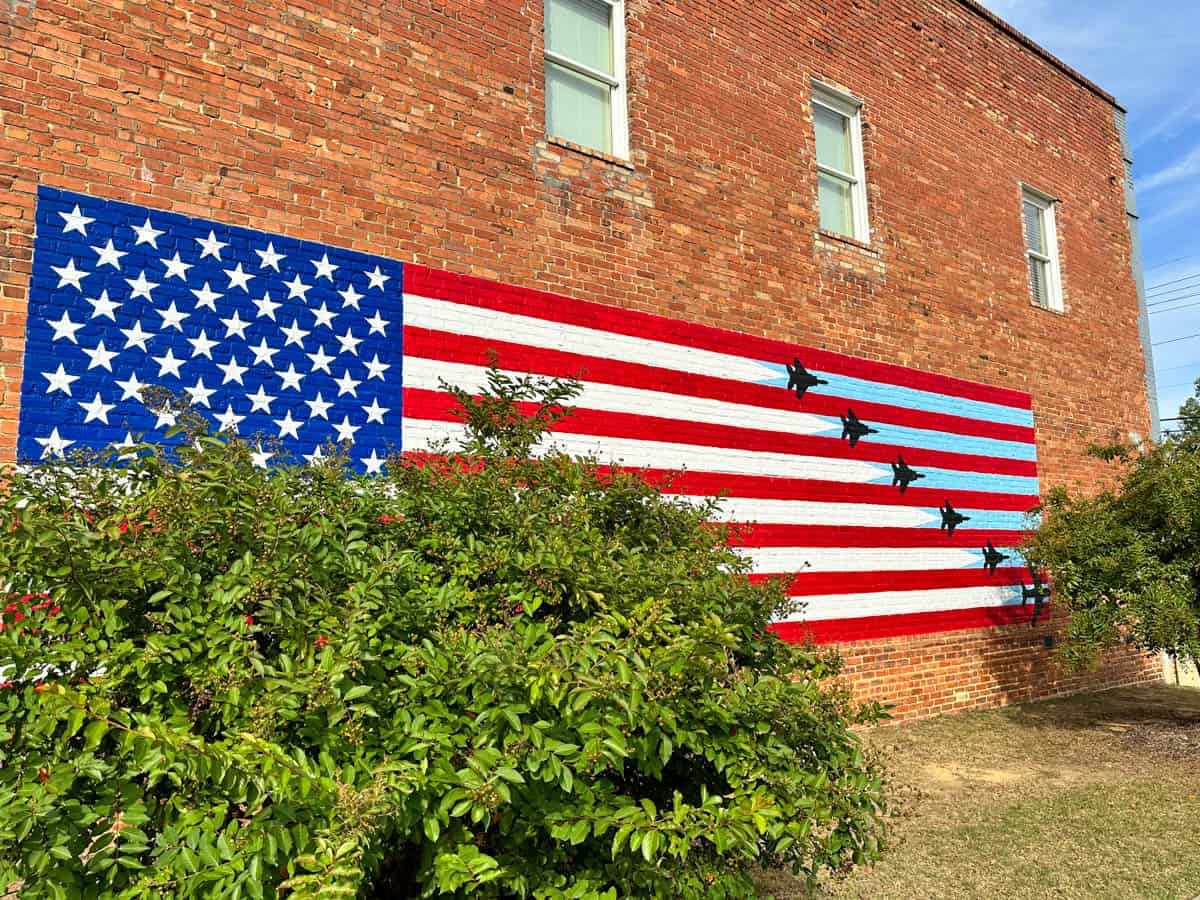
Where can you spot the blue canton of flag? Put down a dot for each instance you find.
(270, 337)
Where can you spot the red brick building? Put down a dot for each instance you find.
(909, 182)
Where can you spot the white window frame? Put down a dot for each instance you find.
(851, 108)
(1054, 289)
(617, 82)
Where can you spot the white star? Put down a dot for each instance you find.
(176, 268)
(233, 371)
(297, 288)
(291, 378)
(236, 326)
(260, 457)
(267, 307)
(378, 324)
(131, 388)
(374, 463)
(375, 412)
(269, 257)
(263, 354)
(109, 256)
(295, 335)
(350, 297)
(325, 268)
(320, 361)
(135, 336)
(59, 381)
(76, 221)
(377, 279)
(239, 278)
(288, 426)
(65, 328)
(97, 409)
(68, 274)
(101, 357)
(202, 345)
(318, 407)
(345, 430)
(200, 393)
(229, 419)
(147, 234)
(124, 445)
(206, 296)
(55, 444)
(168, 364)
(210, 246)
(349, 343)
(260, 401)
(141, 287)
(315, 457)
(347, 385)
(324, 316)
(375, 368)
(172, 317)
(102, 306)
(167, 417)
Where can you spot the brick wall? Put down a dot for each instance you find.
(415, 131)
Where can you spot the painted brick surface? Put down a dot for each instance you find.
(415, 132)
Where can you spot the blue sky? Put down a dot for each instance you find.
(1148, 56)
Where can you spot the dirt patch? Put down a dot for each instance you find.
(1174, 740)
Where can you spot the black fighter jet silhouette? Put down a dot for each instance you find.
(951, 519)
(1039, 594)
(992, 558)
(854, 429)
(800, 379)
(902, 475)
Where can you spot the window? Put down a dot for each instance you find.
(1041, 249)
(841, 179)
(585, 73)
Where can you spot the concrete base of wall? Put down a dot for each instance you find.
(1180, 672)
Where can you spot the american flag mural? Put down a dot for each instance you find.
(892, 499)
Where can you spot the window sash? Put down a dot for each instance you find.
(1045, 274)
(850, 110)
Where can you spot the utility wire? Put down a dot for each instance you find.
(1186, 337)
(1165, 300)
(1177, 368)
(1172, 294)
(1162, 284)
(1169, 261)
(1155, 312)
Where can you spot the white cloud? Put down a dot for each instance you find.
(1184, 168)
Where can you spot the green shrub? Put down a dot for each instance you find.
(478, 675)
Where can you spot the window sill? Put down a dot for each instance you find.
(1049, 309)
(581, 150)
(848, 242)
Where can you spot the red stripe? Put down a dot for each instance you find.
(816, 584)
(879, 627)
(752, 535)
(437, 405)
(552, 307)
(475, 351)
(762, 487)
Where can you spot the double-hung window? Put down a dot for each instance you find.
(1041, 249)
(585, 74)
(841, 179)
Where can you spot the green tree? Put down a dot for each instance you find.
(1125, 562)
(1188, 427)
(480, 675)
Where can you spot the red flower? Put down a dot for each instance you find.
(520, 607)
(321, 641)
(249, 620)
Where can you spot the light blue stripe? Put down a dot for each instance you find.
(992, 519)
(902, 436)
(950, 480)
(910, 398)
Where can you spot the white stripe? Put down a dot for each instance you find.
(812, 512)
(895, 603)
(858, 559)
(459, 318)
(418, 433)
(429, 373)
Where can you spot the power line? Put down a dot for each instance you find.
(1169, 261)
(1165, 300)
(1158, 287)
(1186, 337)
(1155, 312)
(1165, 296)
(1177, 368)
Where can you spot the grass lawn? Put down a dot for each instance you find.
(1088, 797)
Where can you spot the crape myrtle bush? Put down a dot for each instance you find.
(478, 675)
